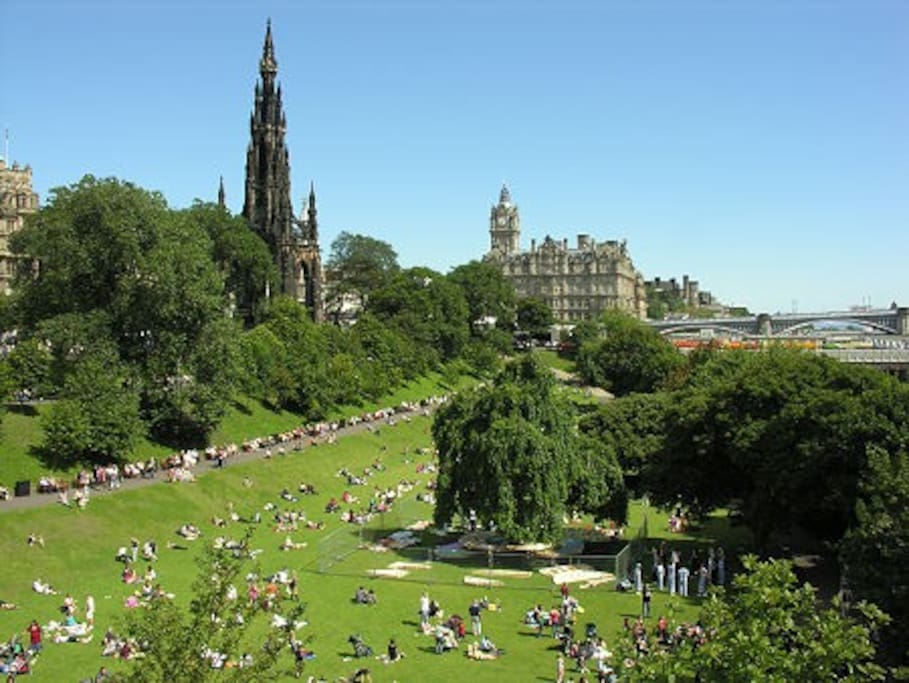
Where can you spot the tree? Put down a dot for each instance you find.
(173, 634)
(429, 309)
(509, 451)
(241, 256)
(110, 250)
(782, 432)
(534, 317)
(503, 452)
(30, 365)
(358, 265)
(628, 357)
(633, 427)
(874, 553)
(768, 628)
(488, 294)
(96, 419)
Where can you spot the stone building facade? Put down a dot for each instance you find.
(17, 200)
(294, 243)
(577, 283)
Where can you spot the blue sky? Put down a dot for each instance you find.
(761, 147)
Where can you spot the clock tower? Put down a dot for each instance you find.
(504, 226)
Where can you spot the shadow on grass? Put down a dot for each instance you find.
(242, 408)
(24, 409)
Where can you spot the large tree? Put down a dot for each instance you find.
(357, 265)
(534, 317)
(488, 294)
(782, 433)
(241, 256)
(96, 419)
(428, 308)
(628, 356)
(509, 451)
(110, 250)
(874, 554)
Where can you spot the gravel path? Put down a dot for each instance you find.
(36, 500)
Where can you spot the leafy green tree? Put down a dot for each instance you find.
(504, 451)
(30, 364)
(173, 634)
(488, 295)
(633, 427)
(88, 238)
(765, 429)
(874, 553)
(97, 417)
(305, 357)
(111, 250)
(357, 265)
(241, 256)
(429, 309)
(628, 357)
(597, 485)
(769, 628)
(510, 452)
(534, 317)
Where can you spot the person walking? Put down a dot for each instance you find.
(560, 669)
(424, 610)
(645, 601)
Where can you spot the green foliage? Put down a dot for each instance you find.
(633, 427)
(765, 428)
(115, 258)
(96, 419)
(30, 366)
(241, 256)
(534, 317)
(173, 638)
(509, 451)
(768, 628)
(357, 265)
(874, 553)
(627, 356)
(429, 309)
(488, 294)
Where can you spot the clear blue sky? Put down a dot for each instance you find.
(761, 147)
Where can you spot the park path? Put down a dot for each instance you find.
(36, 500)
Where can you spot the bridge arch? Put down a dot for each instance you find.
(879, 327)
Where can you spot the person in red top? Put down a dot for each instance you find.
(34, 636)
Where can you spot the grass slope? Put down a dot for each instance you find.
(79, 559)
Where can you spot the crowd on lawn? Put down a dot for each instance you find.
(179, 466)
(260, 593)
(583, 646)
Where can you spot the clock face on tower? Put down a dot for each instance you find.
(501, 220)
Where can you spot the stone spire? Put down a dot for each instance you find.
(267, 204)
(221, 195)
(268, 65)
(505, 196)
(312, 224)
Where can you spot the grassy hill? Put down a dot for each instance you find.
(80, 548)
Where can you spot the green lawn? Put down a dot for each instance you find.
(245, 418)
(79, 559)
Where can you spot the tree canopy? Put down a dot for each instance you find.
(767, 628)
(509, 451)
(357, 265)
(627, 356)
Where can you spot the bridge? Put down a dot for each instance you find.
(894, 320)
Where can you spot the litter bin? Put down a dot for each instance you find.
(23, 488)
